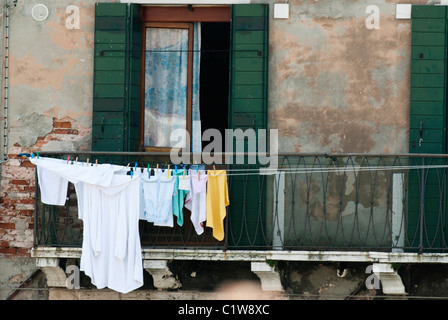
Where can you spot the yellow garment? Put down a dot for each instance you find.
(217, 201)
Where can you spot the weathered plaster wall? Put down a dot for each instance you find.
(50, 104)
(335, 85)
(51, 72)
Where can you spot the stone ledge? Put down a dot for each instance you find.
(252, 255)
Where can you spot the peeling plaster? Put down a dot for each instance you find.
(336, 86)
(33, 126)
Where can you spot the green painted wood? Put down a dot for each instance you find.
(116, 77)
(109, 77)
(425, 12)
(109, 50)
(248, 105)
(105, 104)
(427, 122)
(248, 109)
(428, 66)
(110, 23)
(426, 108)
(427, 80)
(428, 52)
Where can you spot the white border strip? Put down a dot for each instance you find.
(186, 2)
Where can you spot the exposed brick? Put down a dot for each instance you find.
(66, 131)
(7, 226)
(20, 182)
(26, 213)
(8, 250)
(8, 201)
(21, 251)
(27, 164)
(62, 124)
(26, 201)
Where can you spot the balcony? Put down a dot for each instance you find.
(382, 208)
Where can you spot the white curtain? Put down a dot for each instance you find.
(166, 69)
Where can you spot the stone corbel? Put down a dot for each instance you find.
(270, 278)
(161, 274)
(56, 277)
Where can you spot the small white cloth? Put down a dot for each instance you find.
(196, 200)
(184, 182)
(53, 188)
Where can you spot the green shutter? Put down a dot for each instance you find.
(248, 109)
(427, 132)
(116, 89)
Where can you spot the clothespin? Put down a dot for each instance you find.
(37, 155)
(87, 161)
(32, 155)
(135, 167)
(214, 170)
(157, 168)
(68, 159)
(96, 162)
(197, 168)
(76, 160)
(175, 168)
(199, 175)
(132, 173)
(168, 172)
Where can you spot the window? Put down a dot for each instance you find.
(234, 98)
(184, 75)
(232, 79)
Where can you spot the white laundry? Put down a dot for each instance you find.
(158, 194)
(196, 200)
(54, 175)
(109, 205)
(111, 250)
(184, 182)
(53, 188)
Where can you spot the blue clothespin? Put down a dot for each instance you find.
(197, 168)
(135, 167)
(149, 172)
(32, 155)
(132, 173)
(175, 168)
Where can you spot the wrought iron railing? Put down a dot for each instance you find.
(361, 202)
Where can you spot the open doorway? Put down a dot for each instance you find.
(214, 76)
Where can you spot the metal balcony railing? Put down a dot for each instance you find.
(386, 202)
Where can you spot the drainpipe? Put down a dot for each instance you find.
(6, 81)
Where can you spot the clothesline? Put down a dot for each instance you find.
(270, 171)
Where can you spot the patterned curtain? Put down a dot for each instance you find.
(166, 86)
